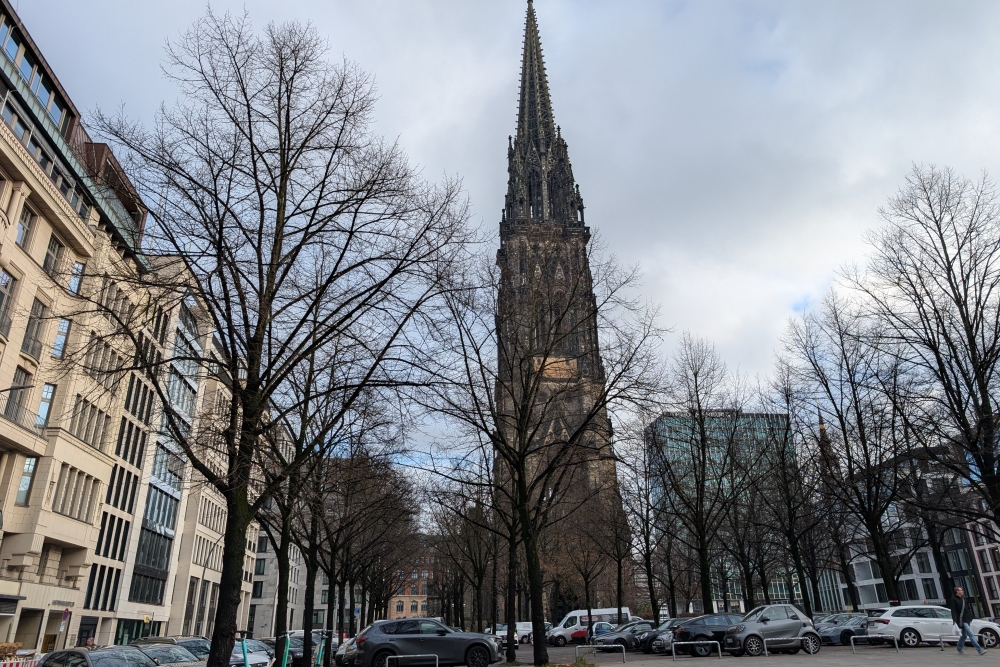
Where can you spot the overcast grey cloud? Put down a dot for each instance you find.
(736, 150)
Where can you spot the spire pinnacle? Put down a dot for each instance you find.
(534, 119)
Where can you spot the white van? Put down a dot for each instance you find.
(573, 627)
(523, 631)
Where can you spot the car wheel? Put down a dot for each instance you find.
(752, 646)
(647, 646)
(560, 641)
(381, 659)
(845, 637)
(990, 638)
(701, 650)
(909, 638)
(477, 656)
(811, 644)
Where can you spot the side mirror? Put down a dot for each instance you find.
(442, 633)
(765, 619)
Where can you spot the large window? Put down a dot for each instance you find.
(27, 477)
(259, 567)
(32, 343)
(168, 467)
(7, 285)
(53, 256)
(146, 589)
(161, 509)
(62, 334)
(153, 550)
(258, 589)
(24, 225)
(16, 398)
(76, 277)
(45, 405)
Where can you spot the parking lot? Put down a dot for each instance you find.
(829, 656)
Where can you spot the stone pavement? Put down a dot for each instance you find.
(829, 656)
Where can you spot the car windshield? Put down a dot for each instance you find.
(167, 654)
(121, 658)
(199, 647)
(754, 615)
(623, 627)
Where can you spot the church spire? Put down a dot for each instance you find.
(540, 185)
(534, 118)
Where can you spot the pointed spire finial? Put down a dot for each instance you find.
(534, 118)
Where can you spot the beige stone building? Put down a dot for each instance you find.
(105, 531)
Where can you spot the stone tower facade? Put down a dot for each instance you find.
(550, 368)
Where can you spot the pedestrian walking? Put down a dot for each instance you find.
(961, 614)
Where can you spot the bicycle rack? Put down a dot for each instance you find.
(416, 655)
(673, 651)
(866, 637)
(781, 639)
(576, 650)
(941, 638)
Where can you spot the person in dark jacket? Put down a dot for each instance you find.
(961, 614)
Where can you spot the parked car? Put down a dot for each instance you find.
(295, 653)
(258, 654)
(913, 624)
(841, 632)
(574, 626)
(423, 636)
(172, 654)
(778, 621)
(710, 627)
(626, 634)
(109, 656)
(663, 636)
(345, 653)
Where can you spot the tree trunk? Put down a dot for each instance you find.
(765, 582)
(848, 572)
(312, 568)
(705, 572)
(331, 612)
(654, 603)
(529, 537)
(621, 585)
(800, 571)
(590, 612)
(350, 610)
(511, 606)
(233, 557)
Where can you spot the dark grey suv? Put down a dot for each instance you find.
(422, 636)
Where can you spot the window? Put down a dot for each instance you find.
(167, 467)
(978, 534)
(399, 606)
(423, 589)
(45, 405)
(995, 555)
(12, 46)
(984, 560)
(32, 343)
(909, 589)
(413, 589)
(262, 544)
(413, 605)
(76, 277)
(923, 562)
(161, 509)
(53, 255)
(7, 284)
(423, 606)
(27, 477)
(414, 575)
(318, 618)
(930, 589)
(146, 589)
(324, 597)
(89, 423)
(27, 69)
(259, 566)
(258, 589)
(991, 588)
(16, 398)
(423, 575)
(62, 333)
(24, 228)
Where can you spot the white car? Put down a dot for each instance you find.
(913, 624)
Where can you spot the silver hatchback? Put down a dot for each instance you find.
(414, 639)
(785, 629)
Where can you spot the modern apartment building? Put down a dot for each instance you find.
(264, 593)
(106, 533)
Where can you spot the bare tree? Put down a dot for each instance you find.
(536, 380)
(294, 228)
(838, 357)
(933, 280)
(698, 445)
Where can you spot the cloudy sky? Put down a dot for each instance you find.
(737, 151)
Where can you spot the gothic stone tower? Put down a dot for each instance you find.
(550, 367)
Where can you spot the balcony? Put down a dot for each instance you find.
(15, 412)
(48, 576)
